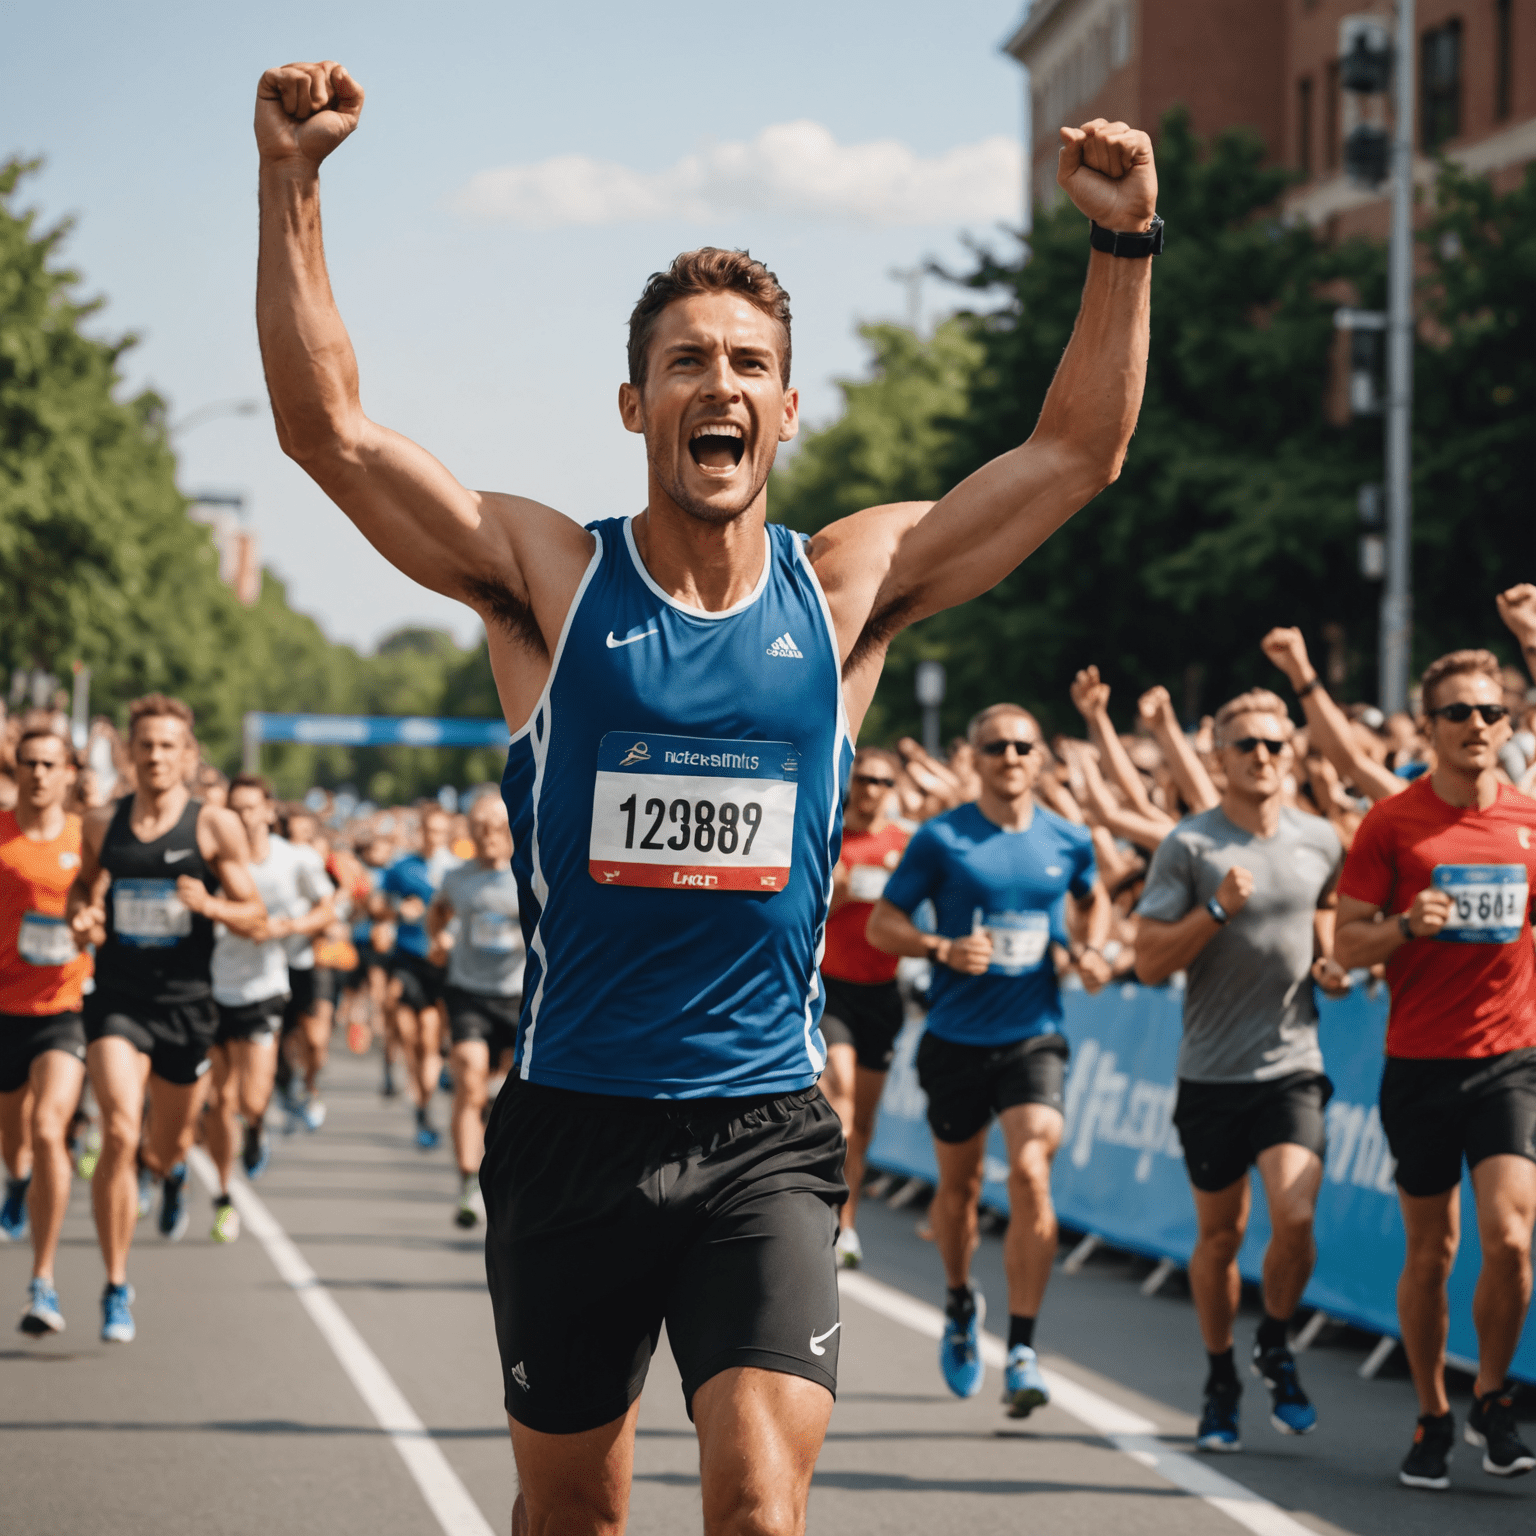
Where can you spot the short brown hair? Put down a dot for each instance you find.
(1458, 664)
(251, 781)
(38, 730)
(154, 705)
(1257, 701)
(706, 270)
(991, 712)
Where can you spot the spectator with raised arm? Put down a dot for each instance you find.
(1155, 710)
(1090, 696)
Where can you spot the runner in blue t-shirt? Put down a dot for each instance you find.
(998, 874)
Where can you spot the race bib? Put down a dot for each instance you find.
(1491, 901)
(494, 932)
(689, 813)
(45, 940)
(148, 914)
(1019, 940)
(866, 882)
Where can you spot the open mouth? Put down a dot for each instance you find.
(717, 445)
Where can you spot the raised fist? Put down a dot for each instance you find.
(1517, 607)
(303, 111)
(1107, 170)
(1235, 889)
(1154, 705)
(1288, 651)
(1089, 695)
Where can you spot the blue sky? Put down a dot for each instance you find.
(486, 290)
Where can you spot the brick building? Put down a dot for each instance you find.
(1273, 65)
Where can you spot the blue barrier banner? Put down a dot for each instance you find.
(1120, 1171)
(376, 730)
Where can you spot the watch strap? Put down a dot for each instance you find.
(1217, 911)
(1113, 242)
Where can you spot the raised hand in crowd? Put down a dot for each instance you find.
(942, 787)
(1155, 710)
(1090, 694)
(1517, 608)
(1143, 829)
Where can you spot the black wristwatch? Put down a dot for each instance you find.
(1217, 911)
(1147, 242)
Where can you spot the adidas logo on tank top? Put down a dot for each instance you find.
(785, 646)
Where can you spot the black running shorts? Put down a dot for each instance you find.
(1435, 1112)
(421, 985)
(968, 1084)
(866, 1016)
(259, 1023)
(25, 1036)
(175, 1036)
(1224, 1126)
(607, 1217)
(476, 1016)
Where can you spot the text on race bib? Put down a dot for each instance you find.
(45, 940)
(689, 813)
(1019, 941)
(494, 933)
(866, 882)
(1491, 902)
(148, 914)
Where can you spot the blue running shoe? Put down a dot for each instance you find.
(174, 1215)
(313, 1113)
(1218, 1420)
(1291, 1412)
(14, 1223)
(960, 1350)
(1024, 1388)
(42, 1315)
(256, 1153)
(445, 1079)
(427, 1135)
(116, 1320)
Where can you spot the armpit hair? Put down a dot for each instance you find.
(497, 601)
(880, 628)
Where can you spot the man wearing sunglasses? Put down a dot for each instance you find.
(864, 1014)
(1240, 898)
(1437, 885)
(998, 874)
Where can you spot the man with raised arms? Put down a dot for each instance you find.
(682, 689)
(144, 896)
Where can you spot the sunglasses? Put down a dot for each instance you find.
(1246, 744)
(874, 778)
(998, 748)
(1457, 713)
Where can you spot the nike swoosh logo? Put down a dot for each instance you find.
(816, 1339)
(174, 855)
(613, 644)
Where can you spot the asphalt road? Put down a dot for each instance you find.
(233, 1412)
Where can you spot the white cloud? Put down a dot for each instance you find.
(796, 169)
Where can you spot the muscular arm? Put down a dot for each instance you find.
(222, 841)
(85, 909)
(316, 920)
(1364, 935)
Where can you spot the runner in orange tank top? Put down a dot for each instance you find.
(42, 1039)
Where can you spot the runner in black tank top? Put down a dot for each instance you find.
(149, 867)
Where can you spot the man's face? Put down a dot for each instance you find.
(161, 747)
(872, 780)
(43, 773)
(489, 830)
(1470, 745)
(434, 831)
(302, 829)
(1261, 772)
(1008, 771)
(252, 807)
(713, 409)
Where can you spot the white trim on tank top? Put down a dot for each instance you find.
(688, 608)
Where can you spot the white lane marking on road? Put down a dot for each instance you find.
(447, 1497)
(1129, 1432)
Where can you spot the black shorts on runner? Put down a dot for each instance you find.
(1224, 1126)
(25, 1036)
(867, 1016)
(258, 1023)
(1435, 1112)
(421, 985)
(175, 1036)
(968, 1084)
(477, 1016)
(607, 1217)
(306, 989)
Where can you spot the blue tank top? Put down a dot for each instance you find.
(676, 801)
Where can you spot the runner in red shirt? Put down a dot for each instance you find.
(42, 1038)
(864, 1013)
(1438, 885)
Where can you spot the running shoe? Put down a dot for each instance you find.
(146, 1192)
(89, 1153)
(1024, 1388)
(387, 1088)
(116, 1320)
(174, 1216)
(42, 1315)
(1491, 1425)
(427, 1135)
(960, 1350)
(14, 1223)
(226, 1221)
(471, 1207)
(849, 1251)
(256, 1153)
(445, 1079)
(1427, 1464)
(1291, 1410)
(1219, 1419)
(313, 1113)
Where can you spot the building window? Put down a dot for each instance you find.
(1331, 117)
(1304, 124)
(1439, 86)
(1501, 60)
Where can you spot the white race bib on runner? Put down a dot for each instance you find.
(1491, 901)
(689, 813)
(1018, 941)
(45, 940)
(148, 914)
(866, 882)
(493, 932)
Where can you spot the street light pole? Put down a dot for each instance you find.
(1397, 597)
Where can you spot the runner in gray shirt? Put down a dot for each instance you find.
(474, 920)
(1241, 899)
